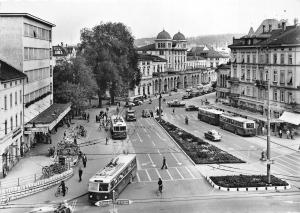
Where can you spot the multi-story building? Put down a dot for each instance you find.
(171, 72)
(271, 54)
(11, 119)
(61, 53)
(223, 85)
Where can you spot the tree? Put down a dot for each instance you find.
(73, 82)
(109, 50)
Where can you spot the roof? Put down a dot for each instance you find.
(163, 35)
(148, 47)
(113, 167)
(59, 51)
(215, 111)
(238, 118)
(191, 58)
(205, 52)
(179, 37)
(290, 36)
(50, 114)
(27, 15)
(154, 58)
(9, 73)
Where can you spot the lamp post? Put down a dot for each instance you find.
(159, 98)
(268, 130)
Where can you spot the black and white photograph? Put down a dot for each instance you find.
(149, 106)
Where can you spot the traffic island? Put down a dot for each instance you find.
(199, 151)
(247, 183)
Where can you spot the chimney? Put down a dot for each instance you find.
(264, 28)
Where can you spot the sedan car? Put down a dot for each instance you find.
(137, 102)
(212, 135)
(129, 104)
(186, 97)
(147, 113)
(191, 108)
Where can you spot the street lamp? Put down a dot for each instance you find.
(268, 129)
(159, 99)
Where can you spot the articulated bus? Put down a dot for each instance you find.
(238, 125)
(208, 115)
(118, 128)
(114, 177)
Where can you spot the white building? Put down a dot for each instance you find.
(11, 119)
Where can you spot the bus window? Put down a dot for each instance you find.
(103, 187)
(249, 125)
(122, 128)
(116, 128)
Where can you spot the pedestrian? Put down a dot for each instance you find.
(106, 139)
(88, 117)
(263, 130)
(173, 110)
(65, 134)
(63, 188)
(75, 140)
(164, 165)
(80, 171)
(288, 134)
(292, 134)
(280, 133)
(84, 160)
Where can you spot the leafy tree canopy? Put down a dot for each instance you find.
(109, 50)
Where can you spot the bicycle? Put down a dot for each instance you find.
(59, 191)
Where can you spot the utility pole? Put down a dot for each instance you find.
(269, 132)
(159, 98)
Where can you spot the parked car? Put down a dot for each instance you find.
(189, 90)
(130, 115)
(175, 103)
(187, 96)
(129, 104)
(212, 135)
(192, 108)
(137, 102)
(146, 113)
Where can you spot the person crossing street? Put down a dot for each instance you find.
(164, 165)
(84, 160)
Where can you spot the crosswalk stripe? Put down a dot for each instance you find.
(179, 173)
(148, 175)
(138, 177)
(170, 175)
(158, 174)
(189, 172)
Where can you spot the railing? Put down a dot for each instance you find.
(13, 182)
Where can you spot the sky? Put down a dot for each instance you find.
(146, 18)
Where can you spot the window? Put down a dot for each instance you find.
(290, 77)
(51, 71)
(161, 52)
(16, 98)
(11, 123)
(11, 100)
(275, 76)
(5, 102)
(267, 58)
(253, 74)
(248, 91)
(275, 58)
(21, 118)
(248, 74)
(5, 127)
(282, 76)
(290, 59)
(281, 96)
(243, 75)
(290, 97)
(254, 59)
(16, 120)
(275, 95)
(248, 59)
(281, 58)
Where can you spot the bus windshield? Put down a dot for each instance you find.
(249, 125)
(122, 128)
(103, 187)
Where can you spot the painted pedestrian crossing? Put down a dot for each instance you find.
(170, 174)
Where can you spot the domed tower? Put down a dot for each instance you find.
(163, 40)
(180, 40)
(180, 46)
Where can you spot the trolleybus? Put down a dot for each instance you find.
(118, 128)
(115, 176)
(208, 115)
(238, 125)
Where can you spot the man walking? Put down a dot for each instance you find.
(106, 139)
(164, 164)
(80, 171)
(84, 160)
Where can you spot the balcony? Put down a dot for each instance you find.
(261, 84)
(234, 80)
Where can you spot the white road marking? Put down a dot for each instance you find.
(159, 136)
(175, 158)
(153, 143)
(169, 174)
(144, 129)
(148, 175)
(158, 174)
(151, 160)
(158, 152)
(138, 177)
(179, 173)
(189, 172)
(141, 140)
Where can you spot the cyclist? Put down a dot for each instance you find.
(160, 185)
(62, 186)
(186, 120)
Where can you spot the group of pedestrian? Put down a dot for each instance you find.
(289, 134)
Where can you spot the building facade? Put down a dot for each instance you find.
(269, 55)
(11, 119)
(223, 85)
(26, 45)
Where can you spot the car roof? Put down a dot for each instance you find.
(214, 131)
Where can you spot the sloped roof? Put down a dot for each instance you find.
(147, 57)
(190, 58)
(148, 47)
(8, 73)
(210, 53)
(290, 36)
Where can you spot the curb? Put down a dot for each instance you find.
(297, 150)
(244, 189)
(18, 192)
(176, 143)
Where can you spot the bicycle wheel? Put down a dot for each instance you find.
(57, 193)
(67, 189)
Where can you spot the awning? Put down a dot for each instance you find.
(47, 119)
(290, 117)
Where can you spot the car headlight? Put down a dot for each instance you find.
(105, 197)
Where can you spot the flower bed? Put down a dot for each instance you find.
(198, 150)
(236, 181)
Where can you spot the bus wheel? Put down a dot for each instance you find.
(235, 132)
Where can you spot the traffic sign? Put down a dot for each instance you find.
(103, 202)
(123, 202)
